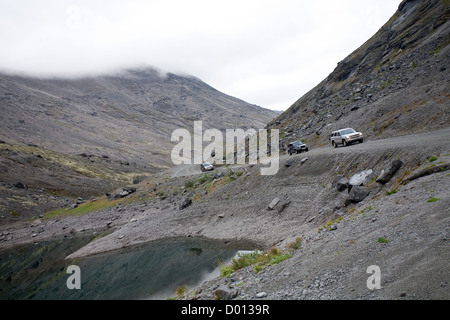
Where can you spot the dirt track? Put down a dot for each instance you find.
(438, 139)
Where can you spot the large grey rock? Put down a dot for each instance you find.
(283, 206)
(289, 162)
(390, 171)
(361, 178)
(260, 295)
(225, 293)
(187, 201)
(274, 203)
(342, 184)
(357, 194)
(120, 193)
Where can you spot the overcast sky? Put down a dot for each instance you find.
(267, 53)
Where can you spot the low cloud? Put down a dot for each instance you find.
(263, 52)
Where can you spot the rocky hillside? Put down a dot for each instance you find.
(396, 83)
(77, 138)
(128, 116)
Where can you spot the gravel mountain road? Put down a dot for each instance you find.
(424, 140)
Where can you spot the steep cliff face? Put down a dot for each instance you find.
(395, 83)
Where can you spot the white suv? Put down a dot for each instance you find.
(345, 137)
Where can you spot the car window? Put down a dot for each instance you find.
(348, 131)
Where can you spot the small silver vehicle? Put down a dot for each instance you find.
(345, 137)
(206, 167)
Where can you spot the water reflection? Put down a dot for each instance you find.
(151, 271)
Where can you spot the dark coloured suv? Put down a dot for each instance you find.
(297, 147)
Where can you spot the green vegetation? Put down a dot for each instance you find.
(180, 291)
(239, 173)
(296, 244)
(258, 259)
(432, 200)
(202, 179)
(85, 208)
(390, 192)
(361, 212)
(432, 158)
(435, 52)
(339, 102)
(383, 240)
(386, 84)
(329, 223)
(189, 184)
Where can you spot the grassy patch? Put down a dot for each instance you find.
(189, 184)
(383, 240)
(432, 158)
(85, 208)
(258, 259)
(435, 52)
(180, 291)
(329, 223)
(386, 84)
(390, 192)
(296, 244)
(432, 200)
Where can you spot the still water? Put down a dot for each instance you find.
(150, 271)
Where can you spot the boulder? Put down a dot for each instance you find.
(335, 180)
(20, 185)
(390, 171)
(289, 163)
(120, 193)
(225, 293)
(342, 184)
(260, 295)
(187, 201)
(283, 206)
(361, 178)
(111, 196)
(126, 191)
(274, 203)
(357, 194)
